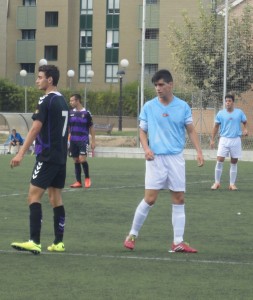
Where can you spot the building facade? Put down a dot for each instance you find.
(84, 35)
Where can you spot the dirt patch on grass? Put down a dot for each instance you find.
(115, 141)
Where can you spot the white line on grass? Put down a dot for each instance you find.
(81, 190)
(169, 259)
(103, 188)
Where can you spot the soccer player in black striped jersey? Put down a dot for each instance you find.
(49, 130)
(80, 126)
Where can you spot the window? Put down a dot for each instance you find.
(86, 39)
(85, 56)
(29, 2)
(152, 1)
(111, 73)
(51, 52)
(86, 7)
(112, 22)
(51, 18)
(86, 22)
(150, 69)
(30, 68)
(111, 55)
(112, 39)
(113, 6)
(152, 34)
(28, 34)
(83, 70)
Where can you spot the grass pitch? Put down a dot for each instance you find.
(95, 264)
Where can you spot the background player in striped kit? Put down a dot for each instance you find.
(80, 127)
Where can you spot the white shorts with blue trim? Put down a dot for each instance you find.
(230, 146)
(166, 172)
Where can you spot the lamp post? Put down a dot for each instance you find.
(23, 73)
(71, 74)
(124, 64)
(42, 62)
(90, 75)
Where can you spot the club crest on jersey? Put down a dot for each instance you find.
(165, 115)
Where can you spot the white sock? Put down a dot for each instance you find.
(140, 216)
(218, 171)
(233, 173)
(178, 222)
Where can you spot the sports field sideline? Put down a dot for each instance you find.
(95, 264)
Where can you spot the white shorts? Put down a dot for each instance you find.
(166, 172)
(230, 146)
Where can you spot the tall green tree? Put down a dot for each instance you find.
(198, 48)
(10, 96)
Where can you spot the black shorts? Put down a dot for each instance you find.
(78, 148)
(47, 175)
(14, 143)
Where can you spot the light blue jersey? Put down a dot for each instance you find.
(165, 125)
(230, 122)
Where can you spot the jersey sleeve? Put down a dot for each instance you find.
(41, 111)
(89, 118)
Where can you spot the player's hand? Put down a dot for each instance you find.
(245, 132)
(212, 144)
(200, 160)
(149, 155)
(15, 162)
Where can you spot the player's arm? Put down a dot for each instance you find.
(213, 134)
(33, 132)
(91, 130)
(149, 154)
(195, 141)
(245, 129)
(92, 134)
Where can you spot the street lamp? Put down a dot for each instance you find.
(23, 73)
(42, 62)
(89, 76)
(124, 64)
(71, 74)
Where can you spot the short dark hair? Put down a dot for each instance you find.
(162, 74)
(51, 71)
(77, 97)
(230, 96)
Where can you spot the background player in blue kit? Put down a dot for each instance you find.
(229, 121)
(49, 128)
(80, 127)
(163, 121)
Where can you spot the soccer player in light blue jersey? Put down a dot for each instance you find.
(229, 122)
(163, 121)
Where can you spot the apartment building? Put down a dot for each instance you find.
(84, 35)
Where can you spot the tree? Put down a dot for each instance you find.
(198, 48)
(10, 96)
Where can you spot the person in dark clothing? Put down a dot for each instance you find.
(50, 132)
(80, 127)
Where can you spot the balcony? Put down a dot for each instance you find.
(26, 51)
(26, 17)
